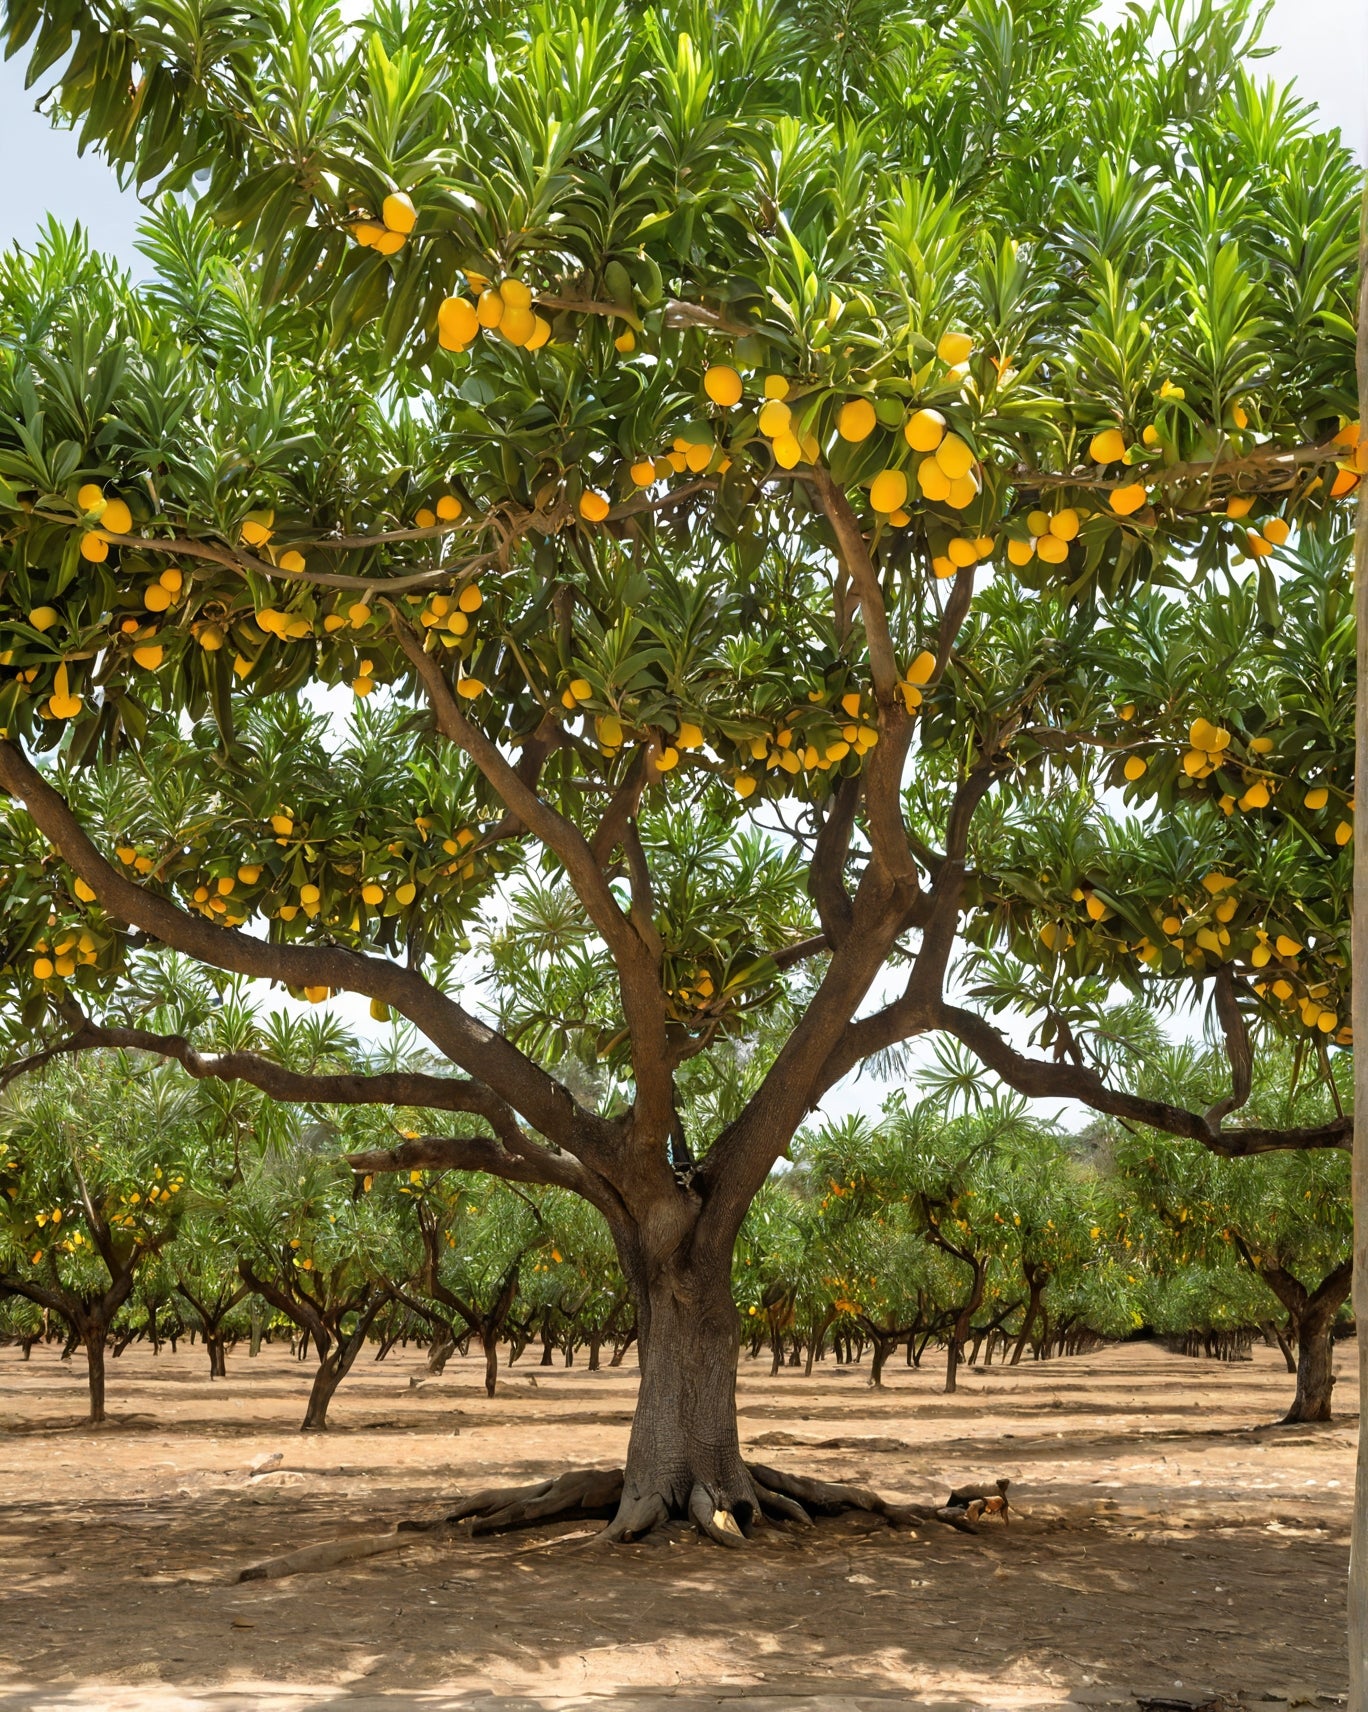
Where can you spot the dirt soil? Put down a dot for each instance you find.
(1172, 1544)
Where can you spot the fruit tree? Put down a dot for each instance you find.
(705, 456)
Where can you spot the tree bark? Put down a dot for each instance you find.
(93, 1337)
(1315, 1370)
(684, 1453)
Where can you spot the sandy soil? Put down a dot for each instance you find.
(1173, 1543)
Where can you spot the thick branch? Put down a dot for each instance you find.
(642, 997)
(541, 1100)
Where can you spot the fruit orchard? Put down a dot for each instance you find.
(678, 560)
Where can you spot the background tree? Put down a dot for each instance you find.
(93, 1186)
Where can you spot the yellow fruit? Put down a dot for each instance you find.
(689, 736)
(516, 293)
(470, 688)
(489, 310)
(919, 672)
(580, 689)
(667, 758)
(699, 456)
(609, 731)
(932, 480)
(1286, 946)
(964, 490)
(850, 702)
(593, 506)
(367, 233)
(149, 656)
(1276, 530)
(1064, 524)
(517, 324)
(954, 348)
(380, 1012)
(1343, 833)
(449, 508)
(743, 785)
(1107, 447)
(900, 519)
(249, 873)
(43, 617)
(315, 996)
(1020, 552)
(1316, 798)
(371, 893)
(776, 386)
(457, 323)
(43, 969)
(309, 894)
(1261, 745)
(398, 213)
(643, 472)
(94, 547)
(291, 561)
(63, 704)
(856, 420)
(540, 334)
(257, 528)
(924, 430)
(722, 385)
(954, 457)
(625, 342)
(1052, 550)
(470, 599)
(1096, 909)
(282, 824)
(116, 518)
(787, 450)
(888, 490)
(1136, 767)
(1150, 435)
(1126, 500)
(91, 497)
(961, 552)
(1255, 797)
(1202, 734)
(84, 892)
(775, 418)
(1239, 505)
(942, 566)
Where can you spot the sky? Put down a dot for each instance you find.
(1321, 44)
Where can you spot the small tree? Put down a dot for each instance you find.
(93, 1185)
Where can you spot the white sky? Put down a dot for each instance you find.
(1322, 45)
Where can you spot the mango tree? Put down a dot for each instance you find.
(706, 471)
(93, 1187)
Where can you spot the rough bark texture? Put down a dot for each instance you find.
(94, 1341)
(1315, 1371)
(684, 1455)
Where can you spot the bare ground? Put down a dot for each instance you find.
(1173, 1545)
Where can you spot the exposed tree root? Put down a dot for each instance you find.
(774, 1497)
(580, 1493)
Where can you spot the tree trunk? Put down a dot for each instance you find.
(1315, 1370)
(489, 1343)
(218, 1354)
(94, 1341)
(684, 1454)
(330, 1375)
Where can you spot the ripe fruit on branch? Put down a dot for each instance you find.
(856, 420)
(888, 490)
(593, 506)
(722, 385)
